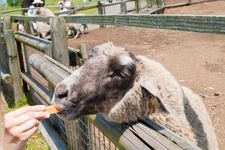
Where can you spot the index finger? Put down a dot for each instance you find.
(25, 109)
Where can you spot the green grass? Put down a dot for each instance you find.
(51, 4)
(36, 142)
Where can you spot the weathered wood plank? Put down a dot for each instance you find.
(137, 5)
(53, 139)
(32, 41)
(4, 59)
(58, 64)
(84, 52)
(38, 43)
(51, 72)
(149, 136)
(6, 24)
(134, 134)
(22, 63)
(14, 64)
(43, 45)
(170, 135)
(29, 18)
(59, 40)
(37, 87)
(123, 7)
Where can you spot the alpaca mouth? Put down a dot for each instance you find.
(68, 115)
(71, 113)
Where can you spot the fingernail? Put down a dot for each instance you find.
(47, 115)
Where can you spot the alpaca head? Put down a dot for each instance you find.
(98, 85)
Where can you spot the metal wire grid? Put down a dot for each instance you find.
(84, 135)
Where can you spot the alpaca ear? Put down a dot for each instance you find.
(123, 65)
(149, 87)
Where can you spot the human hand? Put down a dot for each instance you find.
(21, 124)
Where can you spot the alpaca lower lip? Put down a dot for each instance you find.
(68, 115)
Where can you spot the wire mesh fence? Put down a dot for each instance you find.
(82, 134)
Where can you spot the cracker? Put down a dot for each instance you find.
(52, 109)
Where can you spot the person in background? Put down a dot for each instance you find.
(33, 8)
(19, 125)
(33, 11)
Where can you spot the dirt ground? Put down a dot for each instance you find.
(197, 60)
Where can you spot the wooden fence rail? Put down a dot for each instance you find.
(194, 23)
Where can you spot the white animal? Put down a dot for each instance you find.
(72, 29)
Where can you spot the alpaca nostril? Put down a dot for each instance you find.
(62, 94)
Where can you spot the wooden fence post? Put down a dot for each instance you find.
(1, 49)
(4, 55)
(14, 64)
(163, 3)
(123, 7)
(160, 3)
(149, 3)
(27, 27)
(59, 44)
(137, 5)
(59, 40)
(61, 54)
(22, 65)
(6, 24)
(100, 11)
(83, 49)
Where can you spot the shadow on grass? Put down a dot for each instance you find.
(8, 94)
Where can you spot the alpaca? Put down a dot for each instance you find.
(125, 88)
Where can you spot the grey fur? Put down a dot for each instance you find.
(125, 88)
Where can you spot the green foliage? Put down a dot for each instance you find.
(36, 142)
(14, 2)
(22, 101)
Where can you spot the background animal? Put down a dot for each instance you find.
(72, 29)
(125, 88)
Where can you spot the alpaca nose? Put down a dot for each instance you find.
(62, 94)
(61, 91)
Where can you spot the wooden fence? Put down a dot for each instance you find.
(52, 66)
